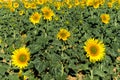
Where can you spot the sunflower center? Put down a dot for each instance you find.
(104, 18)
(63, 35)
(47, 13)
(40, 1)
(93, 49)
(35, 17)
(22, 58)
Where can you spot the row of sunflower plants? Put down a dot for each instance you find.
(60, 40)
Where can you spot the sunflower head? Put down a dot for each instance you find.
(89, 2)
(95, 49)
(58, 5)
(15, 5)
(63, 34)
(26, 5)
(96, 4)
(21, 57)
(35, 17)
(21, 12)
(105, 18)
(33, 5)
(47, 13)
(40, 2)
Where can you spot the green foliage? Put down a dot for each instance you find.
(54, 59)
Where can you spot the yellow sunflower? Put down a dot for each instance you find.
(105, 18)
(33, 5)
(21, 57)
(27, 5)
(40, 2)
(15, 5)
(58, 5)
(95, 49)
(47, 13)
(21, 12)
(96, 4)
(35, 17)
(63, 34)
(110, 4)
(89, 2)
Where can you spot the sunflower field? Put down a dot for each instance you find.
(60, 40)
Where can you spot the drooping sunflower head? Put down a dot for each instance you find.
(35, 17)
(47, 13)
(63, 34)
(95, 49)
(21, 57)
(105, 18)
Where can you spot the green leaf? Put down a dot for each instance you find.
(3, 69)
(99, 73)
(13, 77)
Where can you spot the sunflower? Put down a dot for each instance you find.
(105, 18)
(96, 4)
(89, 2)
(47, 13)
(35, 17)
(21, 57)
(58, 5)
(27, 5)
(63, 34)
(95, 49)
(15, 5)
(12, 9)
(40, 2)
(21, 12)
(33, 5)
(110, 4)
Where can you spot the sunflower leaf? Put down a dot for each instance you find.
(99, 72)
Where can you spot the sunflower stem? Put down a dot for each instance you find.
(35, 26)
(91, 74)
(62, 70)
(62, 54)
(20, 73)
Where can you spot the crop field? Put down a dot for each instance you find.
(60, 40)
